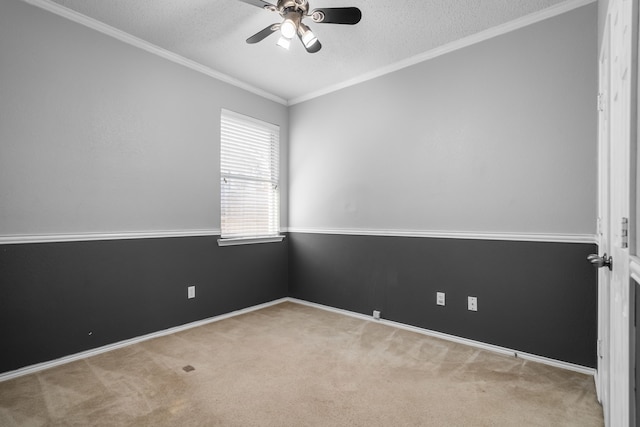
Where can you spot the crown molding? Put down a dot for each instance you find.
(498, 30)
(516, 24)
(468, 235)
(125, 37)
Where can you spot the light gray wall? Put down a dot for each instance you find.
(99, 136)
(497, 137)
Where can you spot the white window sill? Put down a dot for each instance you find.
(249, 240)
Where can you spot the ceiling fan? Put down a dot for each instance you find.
(293, 12)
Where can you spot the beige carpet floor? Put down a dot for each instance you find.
(293, 365)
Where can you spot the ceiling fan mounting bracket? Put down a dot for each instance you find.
(317, 16)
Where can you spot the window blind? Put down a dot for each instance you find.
(249, 174)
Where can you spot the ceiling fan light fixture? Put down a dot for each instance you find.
(284, 42)
(306, 35)
(292, 12)
(288, 29)
(309, 39)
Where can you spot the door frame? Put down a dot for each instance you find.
(615, 382)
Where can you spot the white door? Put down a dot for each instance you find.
(618, 82)
(603, 229)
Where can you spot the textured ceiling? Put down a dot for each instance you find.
(213, 33)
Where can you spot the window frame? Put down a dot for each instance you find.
(228, 173)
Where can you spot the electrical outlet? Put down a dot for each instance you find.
(191, 292)
(376, 314)
(440, 298)
(472, 303)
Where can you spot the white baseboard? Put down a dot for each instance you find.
(490, 347)
(93, 352)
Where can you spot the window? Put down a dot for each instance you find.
(249, 173)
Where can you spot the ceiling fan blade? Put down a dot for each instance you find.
(261, 35)
(259, 3)
(337, 15)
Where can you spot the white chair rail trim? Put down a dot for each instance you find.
(82, 237)
(441, 234)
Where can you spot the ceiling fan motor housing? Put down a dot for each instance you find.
(299, 6)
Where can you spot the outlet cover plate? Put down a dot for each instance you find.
(191, 292)
(440, 298)
(472, 303)
(376, 314)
